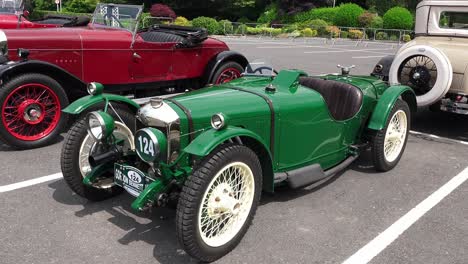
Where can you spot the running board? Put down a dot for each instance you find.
(311, 174)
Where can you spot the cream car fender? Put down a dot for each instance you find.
(444, 72)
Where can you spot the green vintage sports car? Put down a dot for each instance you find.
(215, 150)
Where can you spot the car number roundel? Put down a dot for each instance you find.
(146, 144)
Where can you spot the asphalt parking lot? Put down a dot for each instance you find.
(356, 215)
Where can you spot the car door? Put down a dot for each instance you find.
(151, 61)
(306, 133)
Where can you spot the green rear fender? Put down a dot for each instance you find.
(84, 103)
(385, 104)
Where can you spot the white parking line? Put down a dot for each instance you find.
(438, 137)
(379, 243)
(23, 184)
(367, 57)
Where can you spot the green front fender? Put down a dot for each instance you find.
(387, 101)
(80, 105)
(210, 139)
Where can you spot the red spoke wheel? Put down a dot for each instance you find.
(227, 72)
(31, 110)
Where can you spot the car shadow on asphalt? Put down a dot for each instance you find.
(443, 124)
(160, 232)
(285, 194)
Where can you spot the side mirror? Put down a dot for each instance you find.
(26, 13)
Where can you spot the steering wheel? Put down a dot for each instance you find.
(110, 17)
(260, 70)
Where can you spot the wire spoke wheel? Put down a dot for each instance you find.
(395, 136)
(226, 204)
(31, 111)
(228, 75)
(90, 146)
(418, 72)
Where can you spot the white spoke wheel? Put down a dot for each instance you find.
(218, 202)
(395, 136)
(77, 148)
(389, 143)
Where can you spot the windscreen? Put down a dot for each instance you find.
(117, 16)
(11, 6)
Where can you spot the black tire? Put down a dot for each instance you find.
(25, 79)
(192, 194)
(378, 141)
(225, 67)
(70, 156)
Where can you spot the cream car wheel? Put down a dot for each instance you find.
(388, 144)
(425, 69)
(78, 146)
(218, 202)
(395, 136)
(88, 146)
(226, 204)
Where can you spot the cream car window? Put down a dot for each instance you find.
(454, 20)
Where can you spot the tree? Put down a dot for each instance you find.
(160, 10)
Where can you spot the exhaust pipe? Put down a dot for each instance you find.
(112, 155)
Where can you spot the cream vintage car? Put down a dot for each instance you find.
(434, 64)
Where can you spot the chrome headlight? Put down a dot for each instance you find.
(100, 124)
(151, 144)
(95, 88)
(218, 121)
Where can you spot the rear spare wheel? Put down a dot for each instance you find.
(426, 70)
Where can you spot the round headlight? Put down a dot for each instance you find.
(151, 144)
(95, 88)
(100, 124)
(218, 121)
(91, 88)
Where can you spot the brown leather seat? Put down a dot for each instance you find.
(343, 100)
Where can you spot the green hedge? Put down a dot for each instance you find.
(348, 15)
(270, 14)
(38, 14)
(398, 18)
(325, 13)
(209, 23)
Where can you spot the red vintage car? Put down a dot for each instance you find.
(13, 15)
(42, 70)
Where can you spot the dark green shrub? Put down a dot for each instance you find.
(325, 13)
(344, 34)
(377, 22)
(270, 14)
(398, 18)
(244, 20)
(225, 26)
(38, 14)
(348, 15)
(381, 36)
(319, 25)
(81, 6)
(207, 22)
(240, 30)
(394, 38)
(366, 18)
